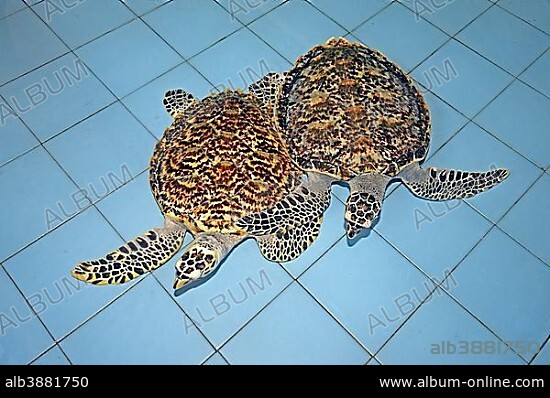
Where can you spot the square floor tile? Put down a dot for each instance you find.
(53, 356)
(104, 151)
(293, 329)
(537, 74)
(446, 122)
(132, 209)
(215, 359)
(461, 77)
(247, 11)
(83, 21)
(43, 272)
(407, 50)
(146, 103)
(144, 326)
(350, 13)
(438, 323)
(516, 308)
(26, 44)
(22, 336)
(15, 137)
(434, 235)
(56, 96)
(519, 116)
(243, 284)
(8, 8)
(303, 26)
(246, 59)
(536, 12)
(141, 7)
(529, 219)
(31, 184)
(191, 26)
(114, 59)
(332, 229)
(543, 358)
(474, 150)
(369, 287)
(505, 40)
(450, 16)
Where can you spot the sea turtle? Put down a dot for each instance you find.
(350, 114)
(222, 158)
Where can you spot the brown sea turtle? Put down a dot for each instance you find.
(221, 159)
(349, 114)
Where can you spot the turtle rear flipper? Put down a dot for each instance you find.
(306, 202)
(289, 244)
(266, 89)
(177, 101)
(446, 184)
(136, 257)
(364, 202)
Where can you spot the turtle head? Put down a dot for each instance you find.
(202, 257)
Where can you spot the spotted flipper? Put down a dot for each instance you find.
(364, 202)
(446, 184)
(136, 257)
(266, 89)
(307, 202)
(287, 245)
(177, 101)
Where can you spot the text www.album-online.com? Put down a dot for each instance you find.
(489, 382)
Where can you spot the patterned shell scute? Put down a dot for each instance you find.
(221, 160)
(347, 110)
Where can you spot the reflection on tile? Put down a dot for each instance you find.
(146, 102)
(369, 287)
(407, 50)
(439, 325)
(528, 220)
(434, 235)
(31, 185)
(42, 271)
(461, 77)
(22, 336)
(114, 59)
(56, 96)
(28, 42)
(474, 150)
(83, 21)
(204, 21)
(299, 37)
(352, 13)
(53, 356)
(519, 116)
(244, 283)
(537, 74)
(518, 282)
(144, 327)
(104, 151)
(293, 329)
(505, 39)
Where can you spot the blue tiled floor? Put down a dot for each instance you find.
(81, 106)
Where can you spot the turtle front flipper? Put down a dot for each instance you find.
(289, 244)
(136, 257)
(306, 202)
(364, 202)
(446, 184)
(177, 101)
(266, 89)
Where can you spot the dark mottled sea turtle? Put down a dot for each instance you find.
(221, 159)
(350, 114)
